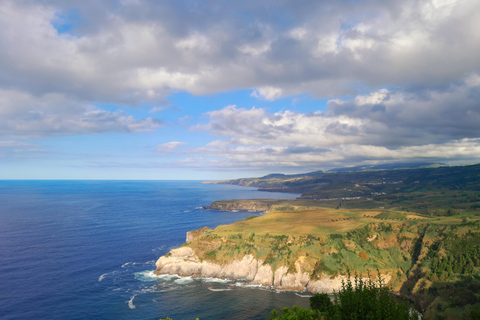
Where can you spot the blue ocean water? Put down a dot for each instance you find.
(87, 249)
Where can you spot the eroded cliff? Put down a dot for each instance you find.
(241, 205)
(184, 262)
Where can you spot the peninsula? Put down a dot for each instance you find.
(419, 227)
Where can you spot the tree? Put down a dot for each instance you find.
(357, 300)
(322, 303)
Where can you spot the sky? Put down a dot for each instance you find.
(208, 90)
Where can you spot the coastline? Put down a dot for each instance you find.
(184, 263)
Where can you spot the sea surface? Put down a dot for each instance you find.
(87, 250)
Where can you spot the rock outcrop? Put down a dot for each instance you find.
(191, 235)
(239, 205)
(184, 262)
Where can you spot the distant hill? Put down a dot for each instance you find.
(390, 166)
(437, 186)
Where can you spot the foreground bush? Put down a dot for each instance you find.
(355, 301)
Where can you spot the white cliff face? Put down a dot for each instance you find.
(184, 262)
(264, 275)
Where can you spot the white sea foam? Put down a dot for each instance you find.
(149, 275)
(248, 285)
(126, 264)
(213, 289)
(150, 289)
(184, 280)
(216, 280)
(303, 295)
(102, 277)
(165, 277)
(130, 303)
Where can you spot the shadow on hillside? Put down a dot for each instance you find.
(447, 299)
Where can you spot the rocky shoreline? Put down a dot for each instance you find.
(259, 206)
(184, 262)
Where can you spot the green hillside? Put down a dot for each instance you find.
(420, 225)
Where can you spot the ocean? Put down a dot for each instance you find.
(87, 250)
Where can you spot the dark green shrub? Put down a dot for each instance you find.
(357, 300)
(322, 303)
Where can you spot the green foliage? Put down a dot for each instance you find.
(475, 312)
(358, 300)
(336, 236)
(211, 254)
(461, 256)
(279, 250)
(368, 300)
(322, 303)
(295, 313)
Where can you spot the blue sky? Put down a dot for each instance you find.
(140, 89)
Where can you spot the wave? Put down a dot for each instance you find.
(212, 289)
(149, 275)
(184, 280)
(248, 285)
(215, 280)
(130, 303)
(103, 276)
(303, 295)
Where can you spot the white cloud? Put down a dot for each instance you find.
(141, 53)
(267, 93)
(26, 116)
(14, 144)
(125, 55)
(376, 97)
(421, 58)
(170, 145)
(255, 49)
(384, 125)
(196, 42)
(297, 33)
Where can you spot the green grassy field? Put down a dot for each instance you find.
(420, 225)
(415, 249)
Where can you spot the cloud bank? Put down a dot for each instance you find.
(402, 77)
(383, 125)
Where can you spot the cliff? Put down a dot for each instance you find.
(242, 205)
(183, 262)
(262, 205)
(192, 235)
(299, 246)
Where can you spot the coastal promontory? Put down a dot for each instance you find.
(418, 229)
(302, 248)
